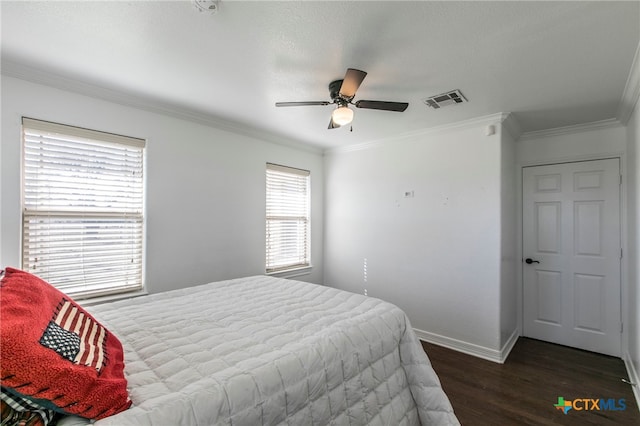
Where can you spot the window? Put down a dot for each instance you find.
(288, 195)
(82, 207)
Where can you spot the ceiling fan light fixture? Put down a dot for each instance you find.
(342, 115)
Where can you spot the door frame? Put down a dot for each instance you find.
(624, 281)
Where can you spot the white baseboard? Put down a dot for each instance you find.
(483, 352)
(633, 376)
(509, 344)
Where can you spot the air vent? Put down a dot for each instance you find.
(445, 99)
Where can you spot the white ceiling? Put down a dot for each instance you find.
(552, 64)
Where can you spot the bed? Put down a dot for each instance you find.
(269, 351)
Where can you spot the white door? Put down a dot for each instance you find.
(571, 254)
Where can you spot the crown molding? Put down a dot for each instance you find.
(486, 120)
(576, 128)
(56, 81)
(631, 90)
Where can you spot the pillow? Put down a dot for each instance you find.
(55, 354)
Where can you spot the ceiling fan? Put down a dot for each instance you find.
(342, 93)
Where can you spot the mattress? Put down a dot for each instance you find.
(268, 351)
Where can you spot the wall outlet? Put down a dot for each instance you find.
(365, 292)
(408, 194)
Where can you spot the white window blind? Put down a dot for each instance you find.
(288, 199)
(82, 193)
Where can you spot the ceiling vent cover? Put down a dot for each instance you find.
(445, 99)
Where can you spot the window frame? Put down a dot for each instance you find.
(303, 243)
(122, 217)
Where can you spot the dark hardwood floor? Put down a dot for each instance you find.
(524, 390)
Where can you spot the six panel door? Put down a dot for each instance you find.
(571, 238)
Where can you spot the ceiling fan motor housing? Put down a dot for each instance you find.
(334, 92)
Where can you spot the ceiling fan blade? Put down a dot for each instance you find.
(352, 80)
(333, 124)
(305, 103)
(383, 105)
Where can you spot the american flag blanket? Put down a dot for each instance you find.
(75, 336)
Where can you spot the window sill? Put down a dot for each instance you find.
(92, 301)
(291, 273)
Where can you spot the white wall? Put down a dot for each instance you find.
(437, 255)
(632, 357)
(205, 187)
(598, 140)
(509, 259)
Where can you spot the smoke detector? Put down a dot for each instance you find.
(208, 6)
(445, 99)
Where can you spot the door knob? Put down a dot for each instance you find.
(530, 261)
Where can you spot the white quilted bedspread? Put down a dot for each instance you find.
(270, 351)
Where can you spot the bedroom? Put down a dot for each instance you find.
(455, 273)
